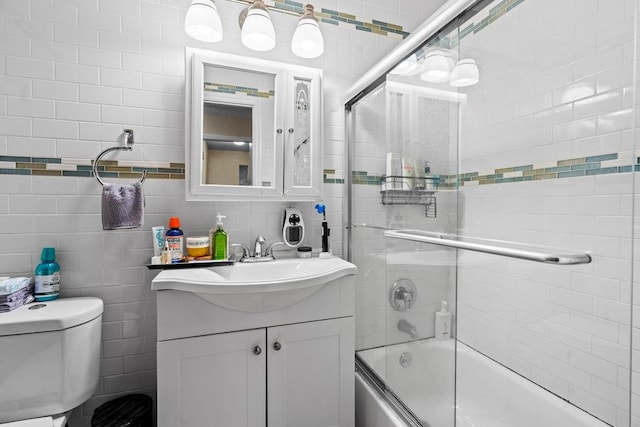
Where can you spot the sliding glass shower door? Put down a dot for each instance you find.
(527, 144)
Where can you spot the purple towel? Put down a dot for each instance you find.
(122, 206)
(16, 299)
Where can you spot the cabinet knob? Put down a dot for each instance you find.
(279, 130)
(277, 346)
(290, 130)
(257, 350)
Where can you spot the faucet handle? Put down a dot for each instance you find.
(269, 251)
(245, 250)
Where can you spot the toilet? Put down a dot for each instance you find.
(49, 360)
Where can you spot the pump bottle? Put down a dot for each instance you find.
(219, 241)
(443, 323)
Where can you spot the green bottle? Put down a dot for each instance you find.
(220, 241)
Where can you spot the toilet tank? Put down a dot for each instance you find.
(49, 357)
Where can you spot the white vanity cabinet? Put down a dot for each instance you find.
(288, 367)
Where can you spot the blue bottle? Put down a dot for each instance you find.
(47, 283)
(175, 240)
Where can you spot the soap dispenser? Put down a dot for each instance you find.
(219, 241)
(443, 323)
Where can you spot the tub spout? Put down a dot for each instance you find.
(408, 328)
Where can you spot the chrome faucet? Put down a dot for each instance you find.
(408, 328)
(260, 254)
(258, 250)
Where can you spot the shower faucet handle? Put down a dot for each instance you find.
(403, 295)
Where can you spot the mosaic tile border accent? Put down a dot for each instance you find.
(332, 176)
(603, 164)
(476, 23)
(334, 17)
(53, 166)
(568, 168)
(237, 90)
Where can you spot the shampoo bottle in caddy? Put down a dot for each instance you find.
(47, 283)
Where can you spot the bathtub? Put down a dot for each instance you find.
(488, 394)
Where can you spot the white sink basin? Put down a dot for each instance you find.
(256, 287)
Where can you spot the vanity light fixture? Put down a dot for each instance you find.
(202, 21)
(437, 66)
(307, 41)
(257, 29)
(465, 73)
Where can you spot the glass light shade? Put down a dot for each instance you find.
(202, 21)
(257, 31)
(407, 67)
(465, 73)
(436, 67)
(307, 41)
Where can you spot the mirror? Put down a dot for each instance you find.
(227, 145)
(253, 129)
(238, 114)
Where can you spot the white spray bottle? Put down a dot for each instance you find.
(443, 323)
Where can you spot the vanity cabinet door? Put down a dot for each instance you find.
(214, 380)
(310, 374)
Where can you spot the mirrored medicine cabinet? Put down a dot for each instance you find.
(253, 128)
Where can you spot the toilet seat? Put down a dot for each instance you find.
(34, 422)
(56, 421)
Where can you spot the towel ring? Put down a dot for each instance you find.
(128, 146)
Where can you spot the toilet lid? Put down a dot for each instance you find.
(49, 316)
(34, 422)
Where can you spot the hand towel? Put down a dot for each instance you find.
(122, 206)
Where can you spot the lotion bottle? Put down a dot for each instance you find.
(443, 323)
(220, 241)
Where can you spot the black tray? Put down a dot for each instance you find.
(192, 264)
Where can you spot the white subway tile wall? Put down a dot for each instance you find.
(73, 75)
(554, 89)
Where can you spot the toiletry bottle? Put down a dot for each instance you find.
(443, 323)
(165, 258)
(47, 283)
(429, 183)
(220, 240)
(408, 173)
(175, 239)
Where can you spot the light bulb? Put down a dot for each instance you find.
(202, 21)
(307, 41)
(436, 67)
(465, 73)
(257, 29)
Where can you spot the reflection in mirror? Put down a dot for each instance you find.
(227, 146)
(238, 127)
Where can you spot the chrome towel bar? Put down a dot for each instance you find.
(449, 241)
(128, 146)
